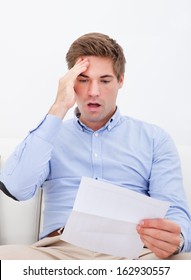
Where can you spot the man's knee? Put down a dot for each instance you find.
(14, 252)
(181, 256)
(7, 252)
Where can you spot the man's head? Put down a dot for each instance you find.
(100, 45)
(97, 86)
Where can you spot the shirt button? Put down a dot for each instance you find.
(96, 134)
(95, 155)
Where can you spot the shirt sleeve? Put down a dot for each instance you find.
(28, 166)
(166, 184)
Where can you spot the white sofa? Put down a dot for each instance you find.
(20, 222)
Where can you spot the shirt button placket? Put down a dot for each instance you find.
(96, 155)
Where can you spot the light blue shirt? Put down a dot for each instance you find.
(126, 152)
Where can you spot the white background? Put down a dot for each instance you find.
(155, 34)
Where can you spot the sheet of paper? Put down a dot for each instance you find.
(105, 216)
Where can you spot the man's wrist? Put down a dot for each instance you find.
(181, 244)
(58, 111)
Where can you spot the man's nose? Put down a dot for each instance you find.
(94, 89)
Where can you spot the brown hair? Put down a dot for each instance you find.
(97, 44)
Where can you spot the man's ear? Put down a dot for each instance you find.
(121, 80)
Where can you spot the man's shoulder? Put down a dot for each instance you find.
(144, 126)
(141, 123)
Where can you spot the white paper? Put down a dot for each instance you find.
(105, 216)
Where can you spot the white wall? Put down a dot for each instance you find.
(156, 37)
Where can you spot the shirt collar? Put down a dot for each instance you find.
(109, 125)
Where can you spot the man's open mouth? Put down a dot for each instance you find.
(93, 105)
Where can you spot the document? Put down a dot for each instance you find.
(105, 216)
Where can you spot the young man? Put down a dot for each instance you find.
(99, 143)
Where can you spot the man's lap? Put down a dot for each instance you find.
(52, 248)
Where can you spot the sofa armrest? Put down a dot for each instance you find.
(19, 221)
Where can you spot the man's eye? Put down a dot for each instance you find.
(83, 81)
(105, 81)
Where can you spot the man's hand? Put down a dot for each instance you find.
(66, 96)
(161, 236)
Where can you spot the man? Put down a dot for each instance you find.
(99, 143)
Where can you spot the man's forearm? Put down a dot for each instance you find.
(58, 110)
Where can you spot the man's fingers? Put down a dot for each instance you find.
(80, 67)
(162, 224)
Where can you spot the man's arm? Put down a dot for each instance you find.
(163, 236)
(28, 167)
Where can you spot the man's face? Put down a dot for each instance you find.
(96, 90)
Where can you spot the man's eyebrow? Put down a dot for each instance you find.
(82, 75)
(106, 76)
(102, 77)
